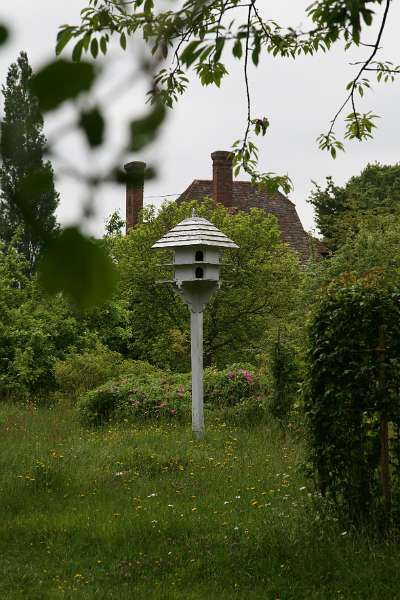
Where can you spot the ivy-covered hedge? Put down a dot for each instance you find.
(154, 394)
(352, 397)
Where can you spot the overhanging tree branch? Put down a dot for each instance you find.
(359, 131)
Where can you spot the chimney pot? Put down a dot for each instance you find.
(222, 177)
(134, 192)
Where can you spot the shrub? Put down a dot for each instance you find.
(81, 372)
(231, 386)
(352, 397)
(32, 337)
(148, 395)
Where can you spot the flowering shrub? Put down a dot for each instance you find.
(155, 395)
(232, 386)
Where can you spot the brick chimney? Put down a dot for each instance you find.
(222, 177)
(134, 192)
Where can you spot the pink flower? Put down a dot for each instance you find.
(247, 376)
(231, 375)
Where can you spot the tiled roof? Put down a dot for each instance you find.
(246, 196)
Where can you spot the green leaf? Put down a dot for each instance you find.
(122, 41)
(63, 38)
(61, 80)
(78, 267)
(77, 51)
(94, 47)
(190, 53)
(367, 16)
(219, 46)
(255, 55)
(3, 34)
(148, 7)
(93, 125)
(86, 41)
(103, 45)
(237, 50)
(143, 131)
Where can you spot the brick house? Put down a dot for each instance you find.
(235, 195)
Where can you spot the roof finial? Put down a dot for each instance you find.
(194, 213)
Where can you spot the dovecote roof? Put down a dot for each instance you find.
(195, 231)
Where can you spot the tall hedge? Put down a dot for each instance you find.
(352, 397)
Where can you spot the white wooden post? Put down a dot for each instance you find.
(196, 327)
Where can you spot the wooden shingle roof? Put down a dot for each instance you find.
(195, 231)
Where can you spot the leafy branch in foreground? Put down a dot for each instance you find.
(197, 35)
(359, 126)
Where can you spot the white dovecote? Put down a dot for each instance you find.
(197, 245)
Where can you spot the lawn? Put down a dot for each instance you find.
(148, 512)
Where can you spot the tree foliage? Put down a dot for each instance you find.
(197, 36)
(259, 288)
(114, 225)
(28, 199)
(352, 397)
(339, 211)
(33, 331)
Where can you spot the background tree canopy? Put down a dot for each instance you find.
(260, 281)
(28, 199)
(145, 320)
(339, 211)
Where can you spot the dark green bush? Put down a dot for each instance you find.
(79, 373)
(32, 337)
(351, 396)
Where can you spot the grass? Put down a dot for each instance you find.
(149, 513)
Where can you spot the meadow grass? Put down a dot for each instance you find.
(147, 512)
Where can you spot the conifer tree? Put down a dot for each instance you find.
(28, 198)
